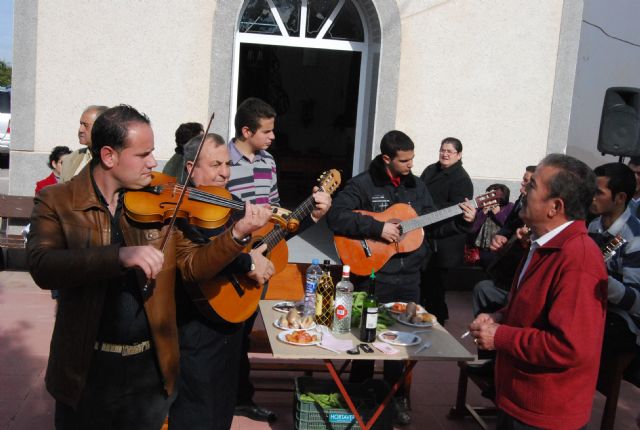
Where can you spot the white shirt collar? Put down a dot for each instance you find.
(542, 240)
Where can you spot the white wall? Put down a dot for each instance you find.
(152, 54)
(603, 62)
(483, 72)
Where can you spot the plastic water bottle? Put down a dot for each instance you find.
(314, 273)
(343, 303)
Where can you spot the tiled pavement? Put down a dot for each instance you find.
(26, 321)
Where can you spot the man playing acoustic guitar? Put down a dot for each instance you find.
(210, 351)
(388, 181)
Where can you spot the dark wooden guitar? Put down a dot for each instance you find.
(233, 297)
(364, 255)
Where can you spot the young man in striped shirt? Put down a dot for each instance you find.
(616, 186)
(253, 171)
(254, 179)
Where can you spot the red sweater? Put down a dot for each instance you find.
(49, 180)
(550, 337)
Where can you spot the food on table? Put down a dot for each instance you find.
(282, 322)
(423, 318)
(389, 336)
(411, 310)
(399, 307)
(307, 322)
(293, 319)
(300, 336)
(284, 306)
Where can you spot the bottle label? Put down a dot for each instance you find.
(311, 286)
(372, 318)
(341, 312)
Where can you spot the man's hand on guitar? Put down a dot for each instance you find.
(468, 210)
(264, 268)
(146, 257)
(254, 217)
(497, 242)
(391, 232)
(322, 204)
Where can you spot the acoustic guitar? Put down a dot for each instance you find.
(234, 297)
(365, 255)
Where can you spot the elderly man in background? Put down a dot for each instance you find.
(79, 158)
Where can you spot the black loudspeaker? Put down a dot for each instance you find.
(620, 122)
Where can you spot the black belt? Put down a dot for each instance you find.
(124, 350)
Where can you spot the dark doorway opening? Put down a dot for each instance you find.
(315, 93)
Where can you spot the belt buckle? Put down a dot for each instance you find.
(134, 349)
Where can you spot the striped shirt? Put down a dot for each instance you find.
(624, 270)
(254, 181)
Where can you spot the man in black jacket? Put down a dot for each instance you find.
(388, 181)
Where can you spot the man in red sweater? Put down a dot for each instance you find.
(549, 335)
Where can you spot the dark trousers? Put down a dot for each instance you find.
(390, 289)
(507, 422)
(120, 393)
(209, 361)
(245, 386)
(361, 370)
(432, 288)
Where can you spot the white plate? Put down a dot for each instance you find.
(282, 338)
(389, 307)
(402, 319)
(276, 324)
(284, 307)
(400, 338)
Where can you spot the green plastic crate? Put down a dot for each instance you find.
(367, 396)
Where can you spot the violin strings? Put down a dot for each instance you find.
(202, 196)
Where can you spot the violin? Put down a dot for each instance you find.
(207, 207)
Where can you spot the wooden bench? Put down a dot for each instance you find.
(13, 209)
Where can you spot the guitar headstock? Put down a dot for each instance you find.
(329, 181)
(609, 250)
(491, 198)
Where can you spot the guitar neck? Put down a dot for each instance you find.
(432, 218)
(277, 234)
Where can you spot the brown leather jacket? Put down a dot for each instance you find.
(69, 250)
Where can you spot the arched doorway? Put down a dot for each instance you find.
(307, 58)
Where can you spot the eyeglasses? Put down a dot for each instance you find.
(448, 151)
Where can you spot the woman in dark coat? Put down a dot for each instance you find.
(449, 184)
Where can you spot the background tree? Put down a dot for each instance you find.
(5, 74)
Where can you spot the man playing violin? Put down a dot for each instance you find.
(210, 351)
(114, 352)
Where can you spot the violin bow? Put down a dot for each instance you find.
(172, 221)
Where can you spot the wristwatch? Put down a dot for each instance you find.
(253, 265)
(244, 241)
